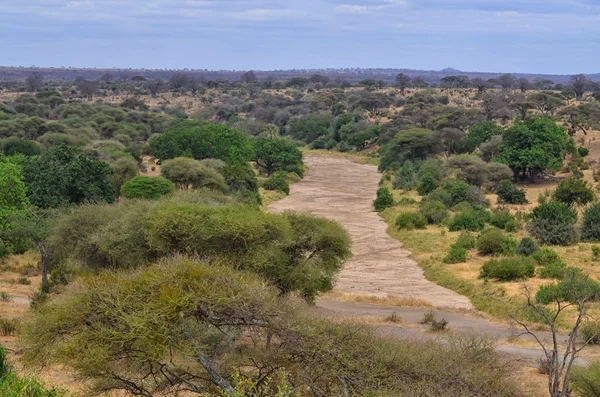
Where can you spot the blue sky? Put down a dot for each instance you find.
(539, 36)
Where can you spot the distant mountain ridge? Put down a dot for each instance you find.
(351, 74)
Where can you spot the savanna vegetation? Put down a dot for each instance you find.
(133, 211)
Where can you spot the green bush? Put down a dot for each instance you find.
(555, 270)
(585, 380)
(465, 240)
(427, 184)
(583, 151)
(508, 269)
(553, 223)
(546, 256)
(573, 191)
(573, 287)
(472, 220)
(146, 187)
(384, 199)
(527, 246)
(493, 241)
(410, 221)
(278, 181)
(406, 201)
(434, 211)
(503, 219)
(590, 229)
(456, 255)
(508, 193)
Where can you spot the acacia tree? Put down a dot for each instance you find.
(575, 291)
(580, 84)
(402, 82)
(274, 154)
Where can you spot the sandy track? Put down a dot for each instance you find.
(342, 190)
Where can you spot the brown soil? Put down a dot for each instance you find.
(337, 188)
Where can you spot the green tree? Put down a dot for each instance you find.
(573, 191)
(274, 154)
(414, 144)
(481, 133)
(146, 187)
(15, 145)
(201, 140)
(124, 169)
(534, 145)
(186, 172)
(13, 199)
(63, 176)
(553, 223)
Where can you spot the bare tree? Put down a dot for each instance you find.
(179, 82)
(248, 77)
(481, 84)
(87, 88)
(523, 84)
(419, 82)
(402, 82)
(506, 81)
(154, 86)
(34, 82)
(580, 84)
(575, 291)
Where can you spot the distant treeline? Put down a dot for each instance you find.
(349, 74)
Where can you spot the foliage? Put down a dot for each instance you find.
(573, 191)
(590, 229)
(481, 133)
(146, 187)
(465, 240)
(427, 184)
(508, 269)
(201, 140)
(493, 241)
(434, 211)
(63, 176)
(186, 172)
(585, 380)
(414, 144)
(553, 223)
(384, 199)
(533, 145)
(472, 220)
(411, 220)
(456, 255)
(527, 246)
(508, 193)
(278, 181)
(278, 154)
(503, 219)
(14, 145)
(574, 287)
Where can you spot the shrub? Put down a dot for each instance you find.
(573, 191)
(434, 211)
(508, 269)
(146, 187)
(465, 240)
(574, 286)
(590, 332)
(384, 199)
(583, 151)
(527, 246)
(595, 253)
(427, 184)
(508, 193)
(472, 220)
(278, 181)
(410, 221)
(428, 317)
(456, 255)
(406, 201)
(438, 326)
(545, 257)
(585, 380)
(544, 366)
(555, 270)
(553, 223)
(503, 219)
(8, 327)
(393, 318)
(590, 229)
(493, 242)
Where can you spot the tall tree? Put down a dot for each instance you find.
(580, 84)
(402, 82)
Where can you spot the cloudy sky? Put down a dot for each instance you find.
(541, 36)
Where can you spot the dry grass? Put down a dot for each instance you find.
(374, 300)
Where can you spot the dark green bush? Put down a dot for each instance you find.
(472, 220)
(456, 255)
(434, 211)
(555, 270)
(508, 269)
(410, 221)
(573, 191)
(508, 193)
(590, 229)
(146, 187)
(384, 199)
(527, 246)
(503, 219)
(278, 181)
(583, 151)
(465, 240)
(406, 201)
(546, 256)
(427, 184)
(573, 287)
(493, 241)
(553, 223)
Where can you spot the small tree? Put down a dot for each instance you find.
(508, 193)
(590, 230)
(553, 223)
(575, 292)
(186, 173)
(573, 191)
(275, 154)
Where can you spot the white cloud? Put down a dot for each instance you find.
(352, 9)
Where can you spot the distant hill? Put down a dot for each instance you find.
(350, 74)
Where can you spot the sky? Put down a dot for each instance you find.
(536, 36)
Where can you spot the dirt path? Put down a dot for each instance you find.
(339, 189)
